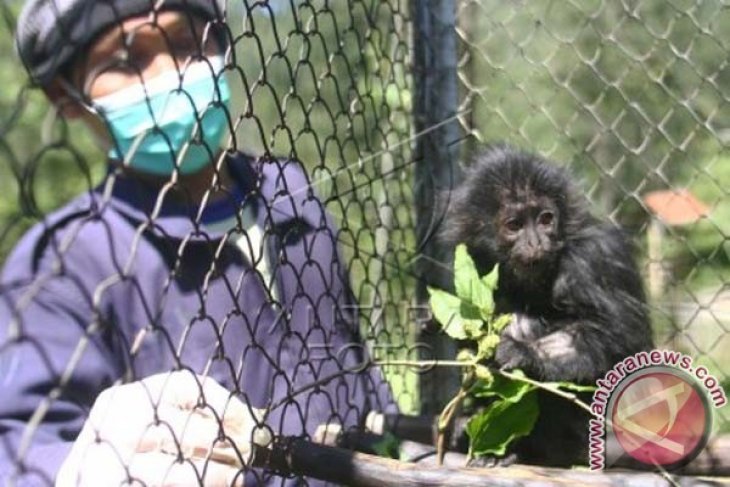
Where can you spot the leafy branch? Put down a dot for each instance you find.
(470, 316)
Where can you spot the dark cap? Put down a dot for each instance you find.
(51, 32)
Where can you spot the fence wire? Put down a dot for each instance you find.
(633, 96)
(291, 271)
(282, 271)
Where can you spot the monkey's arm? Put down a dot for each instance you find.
(574, 353)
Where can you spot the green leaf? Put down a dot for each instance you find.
(490, 280)
(485, 302)
(448, 310)
(486, 346)
(469, 287)
(569, 386)
(388, 446)
(465, 355)
(474, 326)
(504, 388)
(483, 373)
(443, 304)
(492, 430)
(469, 311)
(465, 273)
(501, 322)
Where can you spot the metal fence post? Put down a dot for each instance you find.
(436, 152)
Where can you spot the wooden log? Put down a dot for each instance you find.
(714, 460)
(300, 457)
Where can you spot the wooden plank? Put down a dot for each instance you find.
(300, 457)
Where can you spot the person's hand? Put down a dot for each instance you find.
(169, 429)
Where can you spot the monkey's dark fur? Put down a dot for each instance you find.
(569, 279)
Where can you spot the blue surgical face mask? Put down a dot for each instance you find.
(168, 121)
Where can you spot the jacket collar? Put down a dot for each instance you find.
(261, 183)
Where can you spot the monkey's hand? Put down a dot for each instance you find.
(514, 354)
(552, 357)
(514, 350)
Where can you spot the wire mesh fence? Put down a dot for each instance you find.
(633, 97)
(282, 268)
(289, 265)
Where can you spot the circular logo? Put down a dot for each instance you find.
(660, 417)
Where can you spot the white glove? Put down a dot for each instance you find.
(136, 433)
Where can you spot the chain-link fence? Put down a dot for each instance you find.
(295, 255)
(634, 97)
(275, 274)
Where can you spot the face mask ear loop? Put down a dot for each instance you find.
(80, 98)
(83, 98)
(52, 116)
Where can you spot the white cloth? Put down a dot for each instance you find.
(251, 242)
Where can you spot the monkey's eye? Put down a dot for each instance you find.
(513, 224)
(546, 218)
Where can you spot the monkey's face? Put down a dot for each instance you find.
(527, 229)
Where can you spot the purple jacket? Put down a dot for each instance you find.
(80, 286)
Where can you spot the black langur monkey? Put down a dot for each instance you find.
(569, 280)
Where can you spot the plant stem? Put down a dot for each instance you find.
(459, 363)
(422, 364)
(445, 420)
(550, 388)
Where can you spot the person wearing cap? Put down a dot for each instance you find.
(158, 325)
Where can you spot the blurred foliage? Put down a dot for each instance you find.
(630, 94)
(700, 252)
(41, 165)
